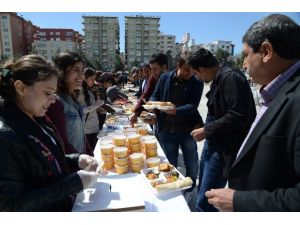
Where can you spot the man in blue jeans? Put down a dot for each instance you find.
(231, 111)
(174, 126)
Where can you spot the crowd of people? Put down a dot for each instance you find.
(51, 113)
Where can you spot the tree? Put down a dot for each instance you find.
(225, 57)
(240, 61)
(222, 55)
(97, 65)
(135, 63)
(119, 65)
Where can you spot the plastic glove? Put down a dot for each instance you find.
(87, 178)
(87, 163)
(98, 103)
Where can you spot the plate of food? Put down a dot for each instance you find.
(165, 178)
(159, 105)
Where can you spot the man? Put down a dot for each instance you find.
(231, 111)
(174, 126)
(266, 173)
(159, 65)
(145, 73)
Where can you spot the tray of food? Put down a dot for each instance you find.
(165, 178)
(159, 105)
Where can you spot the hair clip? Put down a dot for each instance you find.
(5, 72)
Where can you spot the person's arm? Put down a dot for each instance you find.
(57, 116)
(16, 195)
(145, 96)
(87, 109)
(156, 94)
(193, 99)
(238, 104)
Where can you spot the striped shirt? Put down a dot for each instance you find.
(268, 93)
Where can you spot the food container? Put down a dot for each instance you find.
(121, 169)
(148, 137)
(165, 182)
(120, 152)
(121, 161)
(136, 158)
(108, 165)
(150, 144)
(106, 149)
(143, 130)
(131, 130)
(106, 138)
(109, 157)
(119, 140)
(134, 139)
(152, 162)
(151, 153)
(136, 168)
(135, 147)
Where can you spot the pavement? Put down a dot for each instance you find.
(192, 197)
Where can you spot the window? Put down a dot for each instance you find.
(5, 30)
(4, 17)
(57, 39)
(7, 49)
(51, 33)
(57, 33)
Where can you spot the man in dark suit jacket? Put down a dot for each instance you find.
(266, 173)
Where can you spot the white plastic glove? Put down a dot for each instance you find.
(88, 163)
(87, 178)
(98, 103)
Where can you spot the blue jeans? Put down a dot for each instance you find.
(170, 143)
(211, 173)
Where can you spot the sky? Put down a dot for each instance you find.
(204, 27)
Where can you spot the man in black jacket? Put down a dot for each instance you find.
(266, 173)
(231, 111)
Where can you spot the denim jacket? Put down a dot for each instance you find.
(74, 122)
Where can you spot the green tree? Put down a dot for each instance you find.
(119, 65)
(222, 55)
(135, 63)
(240, 61)
(97, 65)
(225, 57)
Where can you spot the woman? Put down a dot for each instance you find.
(35, 175)
(113, 92)
(90, 102)
(66, 113)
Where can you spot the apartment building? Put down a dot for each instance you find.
(50, 41)
(167, 43)
(16, 35)
(141, 38)
(102, 40)
(224, 45)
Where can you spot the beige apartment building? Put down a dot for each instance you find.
(48, 42)
(141, 39)
(102, 40)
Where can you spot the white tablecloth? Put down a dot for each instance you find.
(165, 202)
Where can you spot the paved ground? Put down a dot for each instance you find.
(203, 110)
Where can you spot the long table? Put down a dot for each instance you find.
(130, 189)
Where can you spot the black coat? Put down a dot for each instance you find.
(267, 171)
(34, 173)
(231, 102)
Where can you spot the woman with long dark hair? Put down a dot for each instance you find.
(90, 102)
